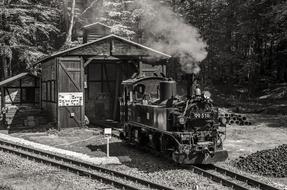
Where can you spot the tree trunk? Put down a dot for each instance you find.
(69, 35)
(9, 67)
(4, 68)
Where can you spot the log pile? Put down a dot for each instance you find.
(236, 119)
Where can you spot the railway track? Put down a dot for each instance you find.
(110, 177)
(229, 178)
(223, 176)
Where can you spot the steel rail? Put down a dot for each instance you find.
(216, 178)
(248, 181)
(66, 163)
(239, 177)
(70, 168)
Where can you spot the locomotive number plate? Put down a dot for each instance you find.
(202, 115)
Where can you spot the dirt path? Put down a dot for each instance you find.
(267, 131)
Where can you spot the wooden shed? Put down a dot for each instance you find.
(20, 89)
(95, 31)
(85, 80)
(17, 92)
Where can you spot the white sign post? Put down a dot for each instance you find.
(108, 135)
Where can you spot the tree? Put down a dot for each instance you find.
(28, 30)
(5, 61)
(69, 34)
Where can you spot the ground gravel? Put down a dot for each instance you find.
(78, 156)
(17, 173)
(271, 162)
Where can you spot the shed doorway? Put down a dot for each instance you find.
(93, 72)
(102, 89)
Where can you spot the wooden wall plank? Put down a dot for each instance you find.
(49, 102)
(70, 79)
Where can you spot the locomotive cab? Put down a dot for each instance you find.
(139, 91)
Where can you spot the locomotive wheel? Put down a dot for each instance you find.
(157, 141)
(130, 134)
(143, 138)
(135, 135)
(127, 129)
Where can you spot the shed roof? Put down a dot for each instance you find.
(98, 41)
(16, 77)
(96, 24)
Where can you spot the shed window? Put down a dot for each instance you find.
(52, 91)
(44, 91)
(49, 91)
(28, 95)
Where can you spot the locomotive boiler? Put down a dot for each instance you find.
(188, 129)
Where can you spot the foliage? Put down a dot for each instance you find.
(114, 13)
(30, 29)
(247, 39)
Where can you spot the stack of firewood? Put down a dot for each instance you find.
(236, 119)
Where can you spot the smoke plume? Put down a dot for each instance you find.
(172, 34)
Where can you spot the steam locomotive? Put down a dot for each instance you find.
(188, 129)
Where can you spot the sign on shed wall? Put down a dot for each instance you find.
(70, 99)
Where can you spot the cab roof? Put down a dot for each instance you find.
(139, 79)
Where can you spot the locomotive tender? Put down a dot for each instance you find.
(188, 129)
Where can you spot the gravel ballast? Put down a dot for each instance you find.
(156, 169)
(270, 162)
(17, 173)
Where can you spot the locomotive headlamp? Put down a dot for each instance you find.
(181, 120)
(206, 94)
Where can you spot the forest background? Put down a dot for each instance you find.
(246, 40)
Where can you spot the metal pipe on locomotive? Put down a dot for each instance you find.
(188, 129)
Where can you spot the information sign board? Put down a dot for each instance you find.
(108, 132)
(108, 135)
(70, 99)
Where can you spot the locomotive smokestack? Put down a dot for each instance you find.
(190, 79)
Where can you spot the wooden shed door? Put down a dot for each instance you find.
(70, 92)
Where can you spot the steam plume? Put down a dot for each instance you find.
(175, 36)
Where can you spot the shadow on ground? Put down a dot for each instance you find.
(143, 160)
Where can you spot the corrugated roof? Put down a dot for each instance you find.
(16, 77)
(101, 39)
